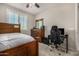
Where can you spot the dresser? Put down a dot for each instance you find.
(38, 34)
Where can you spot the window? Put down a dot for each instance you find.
(12, 17)
(15, 18)
(23, 22)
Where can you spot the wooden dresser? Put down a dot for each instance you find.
(38, 34)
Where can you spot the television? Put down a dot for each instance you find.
(61, 30)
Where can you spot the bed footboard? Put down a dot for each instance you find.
(28, 49)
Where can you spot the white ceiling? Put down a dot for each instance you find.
(33, 10)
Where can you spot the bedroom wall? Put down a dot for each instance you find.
(77, 27)
(3, 17)
(62, 15)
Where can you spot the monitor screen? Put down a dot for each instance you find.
(61, 30)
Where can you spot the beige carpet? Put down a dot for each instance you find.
(44, 50)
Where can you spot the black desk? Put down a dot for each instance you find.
(66, 37)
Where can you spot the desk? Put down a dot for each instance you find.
(66, 36)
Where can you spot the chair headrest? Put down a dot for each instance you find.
(54, 27)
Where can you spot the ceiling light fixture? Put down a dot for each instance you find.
(32, 4)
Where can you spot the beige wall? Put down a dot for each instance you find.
(77, 41)
(3, 16)
(62, 15)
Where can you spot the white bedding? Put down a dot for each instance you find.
(11, 40)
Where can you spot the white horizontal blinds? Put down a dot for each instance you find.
(12, 16)
(23, 22)
(17, 17)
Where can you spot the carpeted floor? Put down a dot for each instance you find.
(44, 50)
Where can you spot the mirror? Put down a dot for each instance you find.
(39, 23)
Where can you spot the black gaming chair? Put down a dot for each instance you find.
(55, 36)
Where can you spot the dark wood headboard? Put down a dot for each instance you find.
(9, 28)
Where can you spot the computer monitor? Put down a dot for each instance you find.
(61, 30)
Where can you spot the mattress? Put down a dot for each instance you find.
(11, 40)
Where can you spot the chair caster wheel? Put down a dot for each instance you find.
(50, 49)
(59, 54)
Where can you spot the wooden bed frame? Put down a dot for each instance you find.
(28, 49)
